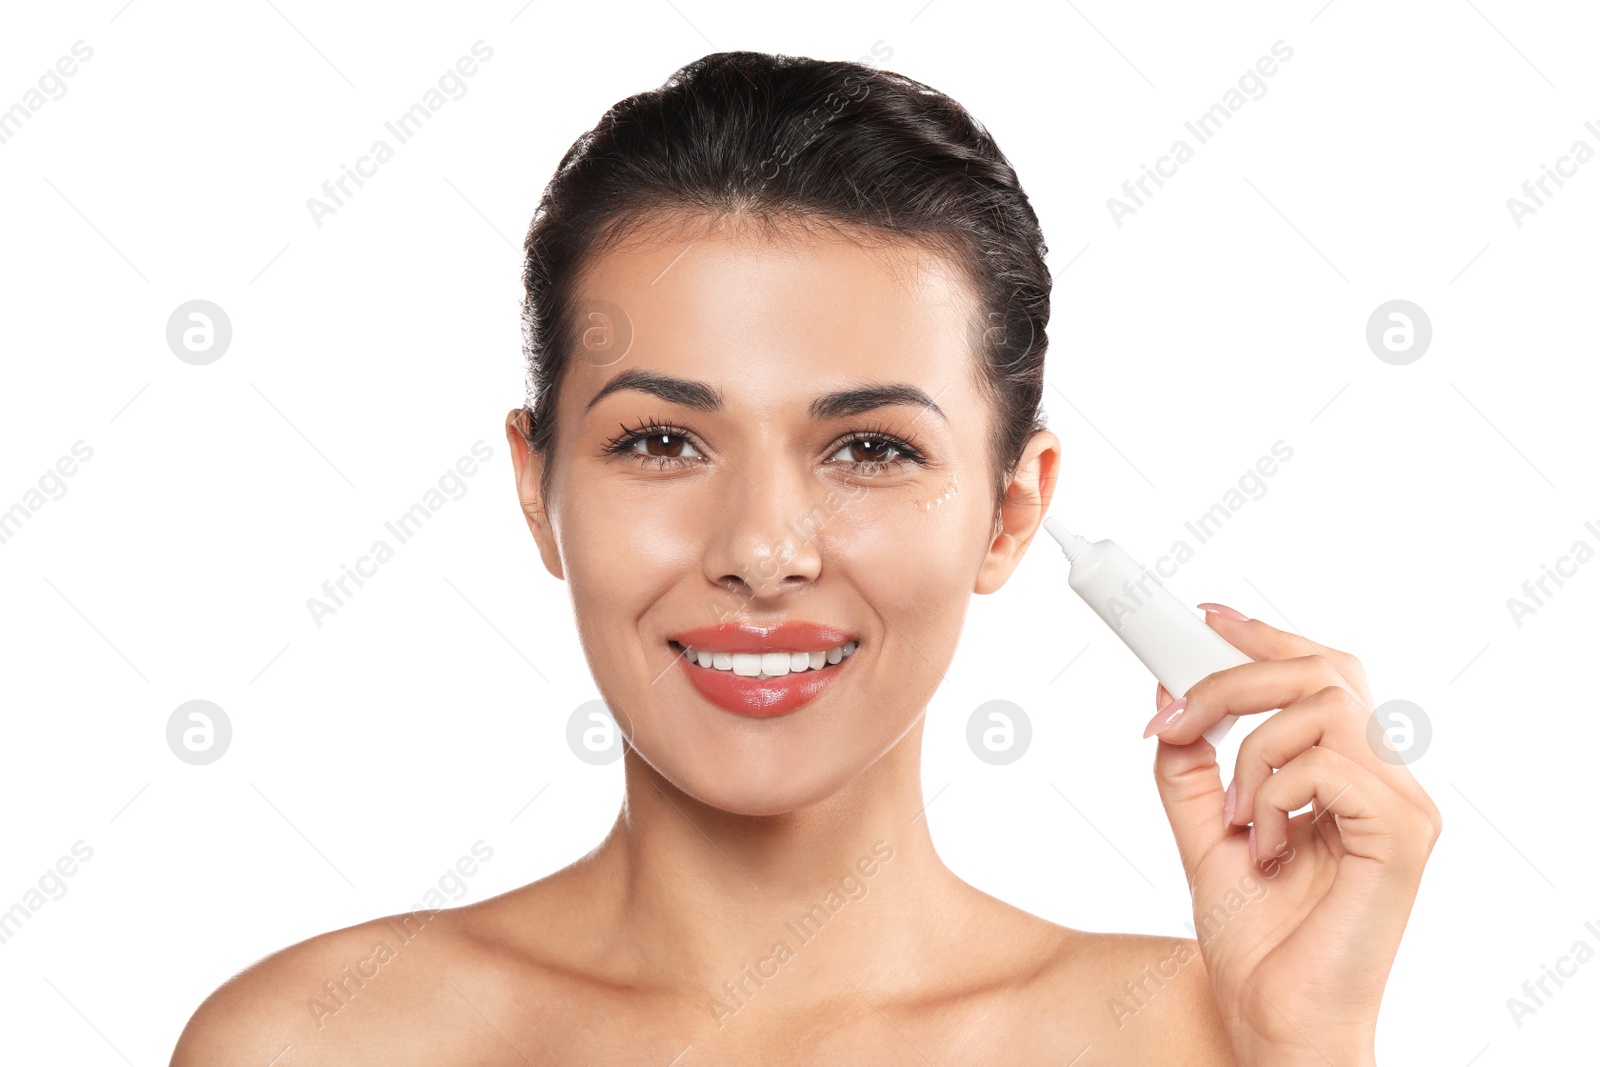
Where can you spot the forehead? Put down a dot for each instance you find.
(770, 310)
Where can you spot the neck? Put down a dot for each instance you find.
(733, 905)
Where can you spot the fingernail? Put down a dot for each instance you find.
(1252, 844)
(1227, 804)
(1225, 611)
(1165, 717)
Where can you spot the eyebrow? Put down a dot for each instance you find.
(702, 397)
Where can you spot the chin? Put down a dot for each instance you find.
(755, 787)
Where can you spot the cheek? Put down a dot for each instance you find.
(929, 501)
(914, 554)
(621, 554)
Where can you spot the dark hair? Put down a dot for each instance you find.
(773, 137)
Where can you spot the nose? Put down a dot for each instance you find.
(765, 530)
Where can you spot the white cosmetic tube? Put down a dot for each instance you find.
(1168, 637)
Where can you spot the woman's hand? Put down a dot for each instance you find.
(1299, 919)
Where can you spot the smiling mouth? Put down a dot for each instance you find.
(763, 666)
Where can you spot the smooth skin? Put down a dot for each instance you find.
(733, 828)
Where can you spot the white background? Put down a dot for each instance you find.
(370, 353)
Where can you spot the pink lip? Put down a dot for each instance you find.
(762, 698)
(792, 636)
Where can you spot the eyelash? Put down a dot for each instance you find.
(622, 445)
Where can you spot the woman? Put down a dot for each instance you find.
(785, 322)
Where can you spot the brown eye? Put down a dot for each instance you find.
(871, 451)
(666, 445)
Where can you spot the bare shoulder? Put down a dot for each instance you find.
(350, 996)
(1083, 997)
(1149, 996)
(480, 984)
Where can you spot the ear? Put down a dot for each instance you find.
(1022, 511)
(526, 465)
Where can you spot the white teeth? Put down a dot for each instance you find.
(770, 664)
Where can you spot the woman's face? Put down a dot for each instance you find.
(801, 440)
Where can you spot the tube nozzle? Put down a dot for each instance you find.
(1071, 543)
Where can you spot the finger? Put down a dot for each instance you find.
(1350, 667)
(1249, 688)
(1265, 642)
(1375, 823)
(1190, 785)
(1331, 718)
(1259, 640)
(1314, 824)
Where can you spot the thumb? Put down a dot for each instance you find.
(1191, 791)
